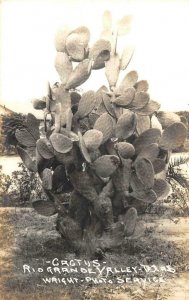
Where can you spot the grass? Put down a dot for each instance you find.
(29, 238)
(15, 252)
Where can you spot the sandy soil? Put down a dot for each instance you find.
(28, 238)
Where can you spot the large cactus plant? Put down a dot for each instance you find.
(107, 149)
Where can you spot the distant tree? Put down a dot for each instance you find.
(9, 126)
(184, 115)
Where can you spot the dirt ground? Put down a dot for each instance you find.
(28, 238)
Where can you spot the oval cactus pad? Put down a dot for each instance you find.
(126, 125)
(61, 143)
(86, 104)
(105, 124)
(126, 150)
(145, 172)
(45, 208)
(93, 139)
(45, 148)
(148, 137)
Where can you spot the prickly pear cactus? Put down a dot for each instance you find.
(107, 148)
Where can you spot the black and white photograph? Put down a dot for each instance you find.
(94, 150)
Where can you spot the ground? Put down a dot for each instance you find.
(28, 238)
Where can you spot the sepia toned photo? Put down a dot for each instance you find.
(94, 150)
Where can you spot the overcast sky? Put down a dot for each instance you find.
(160, 34)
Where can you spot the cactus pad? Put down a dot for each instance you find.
(148, 196)
(149, 152)
(83, 148)
(76, 43)
(143, 123)
(145, 172)
(39, 103)
(25, 138)
(129, 80)
(125, 98)
(158, 165)
(141, 86)
(126, 125)
(140, 100)
(130, 219)
(45, 148)
(79, 75)
(161, 188)
(112, 70)
(167, 118)
(61, 143)
(126, 57)
(149, 109)
(106, 165)
(60, 39)
(86, 104)
(126, 150)
(148, 137)
(93, 138)
(45, 208)
(27, 160)
(63, 66)
(32, 124)
(105, 124)
(173, 136)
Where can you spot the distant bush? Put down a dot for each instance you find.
(9, 126)
(5, 181)
(20, 188)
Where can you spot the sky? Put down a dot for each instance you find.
(159, 33)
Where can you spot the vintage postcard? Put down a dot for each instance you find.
(94, 177)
